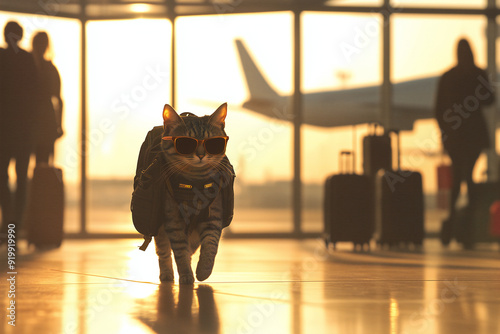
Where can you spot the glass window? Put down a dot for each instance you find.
(64, 52)
(341, 80)
(440, 3)
(354, 2)
(210, 52)
(128, 83)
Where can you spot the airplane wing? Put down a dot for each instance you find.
(413, 100)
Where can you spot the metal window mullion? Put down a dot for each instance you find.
(386, 92)
(491, 36)
(297, 112)
(83, 137)
(172, 16)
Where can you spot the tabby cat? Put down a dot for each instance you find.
(193, 148)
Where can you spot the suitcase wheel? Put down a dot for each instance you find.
(327, 242)
(361, 246)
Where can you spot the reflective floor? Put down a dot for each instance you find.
(258, 286)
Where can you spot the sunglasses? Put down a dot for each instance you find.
(188, 145)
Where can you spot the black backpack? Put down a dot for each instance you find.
(148, 197)
(148, 194)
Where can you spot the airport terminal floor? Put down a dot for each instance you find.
(258, 286)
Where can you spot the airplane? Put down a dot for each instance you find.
(412, 100)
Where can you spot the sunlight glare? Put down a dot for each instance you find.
(134, 327)
(140, 7)
(394, 314)
(142, 267)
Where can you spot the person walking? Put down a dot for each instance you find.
(17, 123)
(462, 93)
(49, 103)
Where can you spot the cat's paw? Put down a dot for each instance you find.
(203, 272)
(204, 267)
(166, 277)
(186, 279)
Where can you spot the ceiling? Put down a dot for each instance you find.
(127, 9)
(119, 9)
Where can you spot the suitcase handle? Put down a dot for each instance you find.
(344, 162)
(375, 129)
(344, 155)
(398, 148)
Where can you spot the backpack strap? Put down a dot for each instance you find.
(145, 244)
(227, 192)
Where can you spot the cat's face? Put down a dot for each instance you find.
(195, 127)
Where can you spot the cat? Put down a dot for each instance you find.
(185, 231)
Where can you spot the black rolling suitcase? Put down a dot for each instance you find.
(45, 209)
(399, 207)
(348, 202)
(377, 153)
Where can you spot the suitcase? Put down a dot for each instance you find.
(377, 153)
(348, 212)
(473, 222)
(45, 209)
(399, 207)
(495, 219)
(444, 185)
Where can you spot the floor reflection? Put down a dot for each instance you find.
(180, 309)
(258, 286)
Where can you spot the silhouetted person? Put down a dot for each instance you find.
(462, 92)
(48, 100)
(17, 122)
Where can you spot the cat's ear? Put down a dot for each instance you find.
(170, 116)
(219, 115)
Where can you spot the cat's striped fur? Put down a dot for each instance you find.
(178, 237)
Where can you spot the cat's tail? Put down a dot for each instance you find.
(263, 97)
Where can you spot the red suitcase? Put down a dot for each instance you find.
(444, 183)
(45, 210)
(495, 219)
